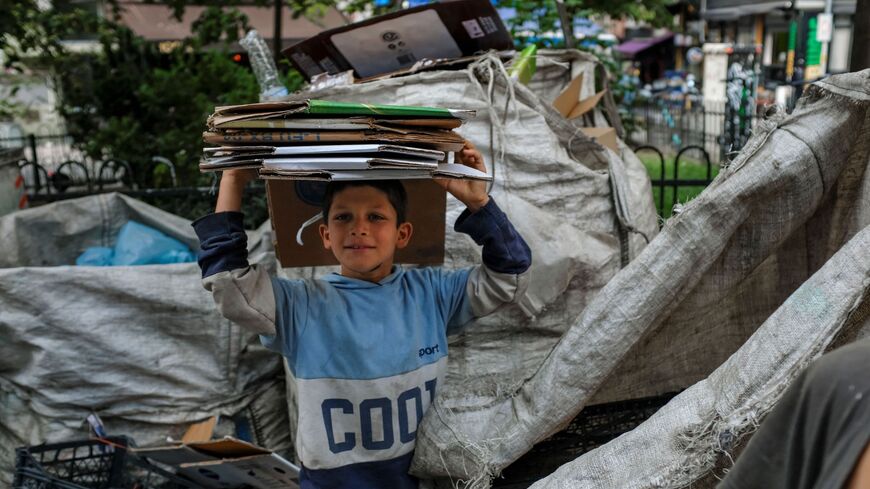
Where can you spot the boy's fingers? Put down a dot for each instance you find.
(442, 182)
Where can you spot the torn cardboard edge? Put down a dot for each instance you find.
(571, 106)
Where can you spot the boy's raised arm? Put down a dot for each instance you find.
(503, 278)
(242, 293)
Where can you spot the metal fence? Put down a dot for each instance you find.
(53, 169)
(695, 155)
(720, 129)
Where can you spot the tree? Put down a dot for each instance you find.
(130, 101)
(861, 37)
(543, 16)
(127, 100)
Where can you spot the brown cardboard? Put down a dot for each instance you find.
(568, 102)
(200, 431)
(605, 136)
(398, 40)
(426, 211)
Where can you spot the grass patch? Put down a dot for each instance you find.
(690, 169)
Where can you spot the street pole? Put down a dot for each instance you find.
(826, 43)
(860, 37)
(276, 34)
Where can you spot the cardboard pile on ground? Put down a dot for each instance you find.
(223, 463)
(324, 140)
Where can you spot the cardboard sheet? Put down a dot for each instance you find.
(326, 149)
(443, 170)
(224, 116)
(338, 124)
(226, 463)
(442, 140)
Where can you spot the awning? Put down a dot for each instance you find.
(155, 22)
(630, 49)
(732, 9)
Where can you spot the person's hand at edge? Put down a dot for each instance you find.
(472, 193)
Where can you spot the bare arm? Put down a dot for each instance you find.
(232, 188)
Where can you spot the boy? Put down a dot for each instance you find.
(366, 348)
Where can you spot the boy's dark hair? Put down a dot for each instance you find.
(394, 190)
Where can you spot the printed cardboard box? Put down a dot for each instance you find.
(398, 40)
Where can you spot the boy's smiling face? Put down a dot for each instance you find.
(363, 234)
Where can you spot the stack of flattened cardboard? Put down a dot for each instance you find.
(330, 141)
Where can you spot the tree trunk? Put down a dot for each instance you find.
(861, 37)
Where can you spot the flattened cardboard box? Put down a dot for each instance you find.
(227, 463)
(289, 209)
(390, 42)
(569, 104)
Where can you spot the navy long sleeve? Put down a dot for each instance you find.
(223, 242)
(504, 250)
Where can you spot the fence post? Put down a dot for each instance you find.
(32, 140)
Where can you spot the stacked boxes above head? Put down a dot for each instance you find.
(327, 141)
(296, 146)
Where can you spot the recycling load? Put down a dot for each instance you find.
(325, 140)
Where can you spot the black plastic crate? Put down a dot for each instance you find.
(90, 464)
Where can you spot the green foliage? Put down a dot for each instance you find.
(536, 18)
(131, 102)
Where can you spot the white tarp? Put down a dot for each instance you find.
(798, 192)
(141, 346)
(806, 183)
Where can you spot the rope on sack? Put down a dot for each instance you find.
(488, 67)
(478, 453)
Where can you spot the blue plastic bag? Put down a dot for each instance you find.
(138, 244)
(96, 256)
(141, 245)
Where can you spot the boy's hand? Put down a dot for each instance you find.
(232, 188)
(472, 193)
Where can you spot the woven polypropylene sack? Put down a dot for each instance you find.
(793, 197)
(144, 346)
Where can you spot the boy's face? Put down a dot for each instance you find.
(362, 233)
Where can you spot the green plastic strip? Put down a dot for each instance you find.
(327, 107)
